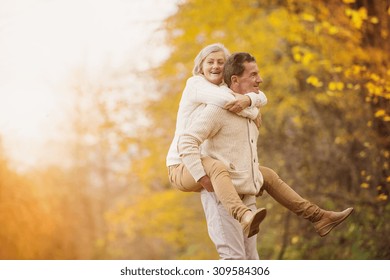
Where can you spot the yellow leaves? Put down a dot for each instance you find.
(307, 58)
(378, 89)
(297, 121)
(380, 113)
(375, 89)
(333, 86)
(374, 20)
(337, 69)
(295, 239)
(297, 57)
(308, 17)
(366, 179)
(349, 1)
(374, 77)
(303, 56)
(333, 30)
(340, 140)
(362, 154)
(355, 70)
(384, 33)
(382, 197)
(325, 25)
(314, 81)
(357, 16)
(353, 87)
(386, 166)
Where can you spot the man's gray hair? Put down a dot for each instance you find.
(204, 53)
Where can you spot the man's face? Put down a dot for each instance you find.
(250, 80)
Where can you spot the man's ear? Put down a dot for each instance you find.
(234, 79)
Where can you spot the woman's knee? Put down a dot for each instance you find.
(269, 175)
(214, 167)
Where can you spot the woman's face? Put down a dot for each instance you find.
(212, 67)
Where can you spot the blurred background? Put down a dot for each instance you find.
(89, 92)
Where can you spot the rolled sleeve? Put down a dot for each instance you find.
(257, 99)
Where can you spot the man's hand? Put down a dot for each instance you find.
(206, 183)
(240, 103)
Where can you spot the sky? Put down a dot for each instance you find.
(43, 41)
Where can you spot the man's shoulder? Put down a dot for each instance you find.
(215, 108)
(212, 112)
(221, 116)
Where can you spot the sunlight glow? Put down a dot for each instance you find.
(42, 41)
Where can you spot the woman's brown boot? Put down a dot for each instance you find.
(323, 221)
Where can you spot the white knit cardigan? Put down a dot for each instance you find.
(226, 137)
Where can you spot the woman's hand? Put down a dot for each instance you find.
(240, 103)
(258, 121)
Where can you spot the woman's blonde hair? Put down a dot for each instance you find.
(217, 47)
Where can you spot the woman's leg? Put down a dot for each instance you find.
(224, 189)
(323, 221)
(227, 194)
(181, 179)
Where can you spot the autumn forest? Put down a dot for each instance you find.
(325, 130)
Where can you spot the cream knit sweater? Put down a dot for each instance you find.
(196, 94)
(226, 137)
